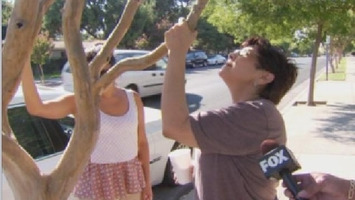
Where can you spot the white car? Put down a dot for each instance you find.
(216, 60)
(146, 82)
(45, 139)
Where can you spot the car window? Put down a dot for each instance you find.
(39, 136)
(120, 56)
(160, 65)
(201, 54)
(190, 56)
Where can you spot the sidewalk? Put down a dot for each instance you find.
(322, 137)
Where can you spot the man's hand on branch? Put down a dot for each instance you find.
(179, 37)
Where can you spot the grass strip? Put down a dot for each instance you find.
(338, 75)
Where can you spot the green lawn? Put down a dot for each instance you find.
(339, 74)
(47, 76)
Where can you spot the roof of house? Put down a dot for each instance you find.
(59, 45)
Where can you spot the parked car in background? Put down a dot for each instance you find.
(196, 59)
(216, 60)
(45, 139)
(146, 82)
(293, 54)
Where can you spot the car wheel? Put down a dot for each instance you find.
(205, 64)
(169, 179)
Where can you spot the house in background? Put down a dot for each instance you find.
(58, 51)
(58, 55)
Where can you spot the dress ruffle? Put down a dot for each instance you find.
(110, 181)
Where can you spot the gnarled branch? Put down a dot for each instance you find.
(20, 169)
(149, 59)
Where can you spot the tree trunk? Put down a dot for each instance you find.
(331, 55)
(318, 40)
(21, 171)
(42, 74)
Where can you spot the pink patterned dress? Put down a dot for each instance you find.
(114, 169)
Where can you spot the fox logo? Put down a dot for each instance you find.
(273, 161)
(277, 160)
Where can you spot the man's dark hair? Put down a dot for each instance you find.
(273, 60)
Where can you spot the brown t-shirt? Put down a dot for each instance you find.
(229, 140)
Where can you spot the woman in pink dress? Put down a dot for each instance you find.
(118, 168)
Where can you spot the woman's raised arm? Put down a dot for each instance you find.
(52, 109)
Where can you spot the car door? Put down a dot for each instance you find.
(156, 73)
(44, 139)
(146, 82)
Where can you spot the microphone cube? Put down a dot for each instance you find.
(278, 160)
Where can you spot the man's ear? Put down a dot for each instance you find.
(267, 77)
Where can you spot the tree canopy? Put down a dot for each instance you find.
(6, 8)
(224, 23)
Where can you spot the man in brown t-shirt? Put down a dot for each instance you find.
(229, 140)
(258, 76)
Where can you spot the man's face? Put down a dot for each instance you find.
(240, 67)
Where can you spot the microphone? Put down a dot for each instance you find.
(279, 162)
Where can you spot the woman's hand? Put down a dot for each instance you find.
(147, 193)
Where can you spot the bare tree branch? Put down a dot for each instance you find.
(115, 37)
(20, 169)
(24, 25)
(85, 134)
(149, 59)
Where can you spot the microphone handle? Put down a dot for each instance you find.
(290, 183)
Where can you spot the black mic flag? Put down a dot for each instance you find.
(279, 162)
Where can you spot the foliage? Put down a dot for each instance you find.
(41, 51)
(52, 21)
(275, 19)
(99, 18)
(226, 18)
(166, 13)
(142, 23)
(6, 9)
(226, 22)
(211, 40)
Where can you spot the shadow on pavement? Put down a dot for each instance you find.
(193, 100)
(340, 124)
(171, 192)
